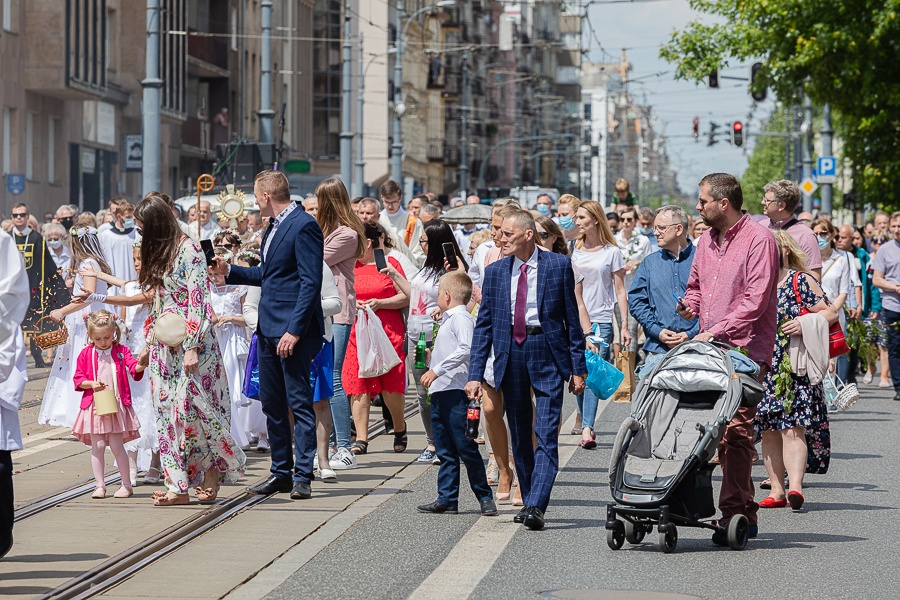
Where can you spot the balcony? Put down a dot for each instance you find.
(435, 150)
(451, 155)
(209, 54)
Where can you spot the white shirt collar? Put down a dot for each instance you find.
(532, 262)
(454, 311)
(107, 352)
(283, 214)
(25, 231)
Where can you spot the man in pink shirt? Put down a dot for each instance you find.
(733, 289)
(779, 201)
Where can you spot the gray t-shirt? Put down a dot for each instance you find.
(887, 260)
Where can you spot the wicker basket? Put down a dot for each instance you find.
(51, 339)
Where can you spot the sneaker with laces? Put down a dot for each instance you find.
(343, 459)
(427, 456)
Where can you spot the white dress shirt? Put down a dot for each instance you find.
(531, 307)
(476, 268)
(275, 223)
(209, 231)
(452, 347)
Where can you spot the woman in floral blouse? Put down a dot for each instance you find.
(190, 389)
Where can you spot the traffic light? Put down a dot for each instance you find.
(712, 133)
(714, 79)
(737, 133)
(696, 128)
(760, 95)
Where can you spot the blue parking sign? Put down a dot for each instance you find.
(827, 166)
(15, 184)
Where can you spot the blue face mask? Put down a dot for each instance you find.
(823, 242)
(129, 223)
(645, 230)
(543, 209)
(567, 223)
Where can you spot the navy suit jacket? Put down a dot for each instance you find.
(557, 312)
(290, 277)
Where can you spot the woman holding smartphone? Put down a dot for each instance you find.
(440, 248)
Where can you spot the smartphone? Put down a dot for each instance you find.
(450, 254)
(380, 261)
(678, 301)
(209, 251)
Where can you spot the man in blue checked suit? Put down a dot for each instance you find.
(289, 333)
(528, 314)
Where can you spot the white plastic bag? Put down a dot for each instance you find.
(376, 354)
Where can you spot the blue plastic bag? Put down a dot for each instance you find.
(603, 378)
(251, 374)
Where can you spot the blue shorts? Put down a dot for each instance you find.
(321, 376)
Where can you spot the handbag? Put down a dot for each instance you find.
(169, 328)
(625, 364)
(603, 379)
(251, 373)
(837, 343)
(105, 402)
(376, 353)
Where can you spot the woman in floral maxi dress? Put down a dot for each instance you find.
(190, 387)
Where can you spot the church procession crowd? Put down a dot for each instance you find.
(181, 343)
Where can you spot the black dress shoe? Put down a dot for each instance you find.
(302, 491)
(6, 543)
(534, 518)
(488, 508)
(437, 508)
(272, 485)
(520, 516)
(897, 396)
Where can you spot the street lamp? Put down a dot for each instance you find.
(399, 106)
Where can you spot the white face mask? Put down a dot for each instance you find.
(54, 244)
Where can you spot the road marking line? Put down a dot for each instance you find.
(481, 546)
(39, 448)
(56, 431)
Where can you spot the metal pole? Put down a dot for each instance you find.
(397, 145)
(346, 133)
(150, 120)
(788, 127)
(464, 124)
(806, 148)
(266, 114)
(827, 132)
(357, 186)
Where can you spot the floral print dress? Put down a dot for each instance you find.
(193, 411)
(808, 409)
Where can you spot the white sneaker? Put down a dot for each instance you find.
(343, 459)
(867, 378)
(327, 475)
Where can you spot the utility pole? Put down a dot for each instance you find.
(806, 147)
(464, 126)
(399, 108)
(266, 114)
(789, 128)
(346, 134)
(357, 185)
(150, 109)
(827, 132)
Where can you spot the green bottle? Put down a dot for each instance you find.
(421, 347)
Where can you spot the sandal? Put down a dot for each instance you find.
(400, 441)
(172, 499)
(493, 473)
(359, 447)
(207, 495)
(152, 479)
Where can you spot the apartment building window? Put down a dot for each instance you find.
(29, 146)
(86, 25)
(9, 14)
(326, 78)
(7, 140)
(173, 57)
(52, 124)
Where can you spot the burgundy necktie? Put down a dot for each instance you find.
(521, 298)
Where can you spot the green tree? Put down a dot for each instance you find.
(843, 52)
(766, 163)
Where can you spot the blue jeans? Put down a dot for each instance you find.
(448, 421)
(340, 405)
(587, 402)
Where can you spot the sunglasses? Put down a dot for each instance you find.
(226, 246)
(543, 235)
(422, 241)
(878, 240)
(822, 234)
(19, 215)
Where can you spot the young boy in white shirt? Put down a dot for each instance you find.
(445, 381)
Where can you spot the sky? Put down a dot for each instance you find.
(642, 27)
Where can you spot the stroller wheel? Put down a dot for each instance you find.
(738, 532)
(634, 534)
(615, 537)
(668, 539)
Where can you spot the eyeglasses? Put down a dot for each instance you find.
(226, 246)
(628, 219)
(766, 201)
(703, 203)
(20, 215)
(664, 227)
(391, 202)
(878, 240)
(543, 235)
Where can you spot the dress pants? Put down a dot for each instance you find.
(448, 422)
(7, 507)
(736, 459)
(284, 386)
(531, 367)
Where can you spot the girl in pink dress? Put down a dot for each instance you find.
(105, 364)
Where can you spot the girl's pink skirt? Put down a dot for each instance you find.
(89, 426)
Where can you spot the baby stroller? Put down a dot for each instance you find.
(660, 473)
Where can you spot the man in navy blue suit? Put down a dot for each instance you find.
(529, 315)
(290, 329)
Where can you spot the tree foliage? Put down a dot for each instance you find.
(844, 53)
(766, 162)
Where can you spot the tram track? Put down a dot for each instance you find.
(110, 573)
(36, 506)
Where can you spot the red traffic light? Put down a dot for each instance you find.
(738, 126)
(737, 133)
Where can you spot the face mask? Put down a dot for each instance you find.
(54, 244)
(567, 223)
(129, 223)
(823, 243)
(67, 222)
(645, 230)
(543, 209)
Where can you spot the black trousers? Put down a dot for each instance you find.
(7, 508)
(36, 354)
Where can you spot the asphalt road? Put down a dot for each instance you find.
(842, 545)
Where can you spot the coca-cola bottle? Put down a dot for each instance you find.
(473, 418)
